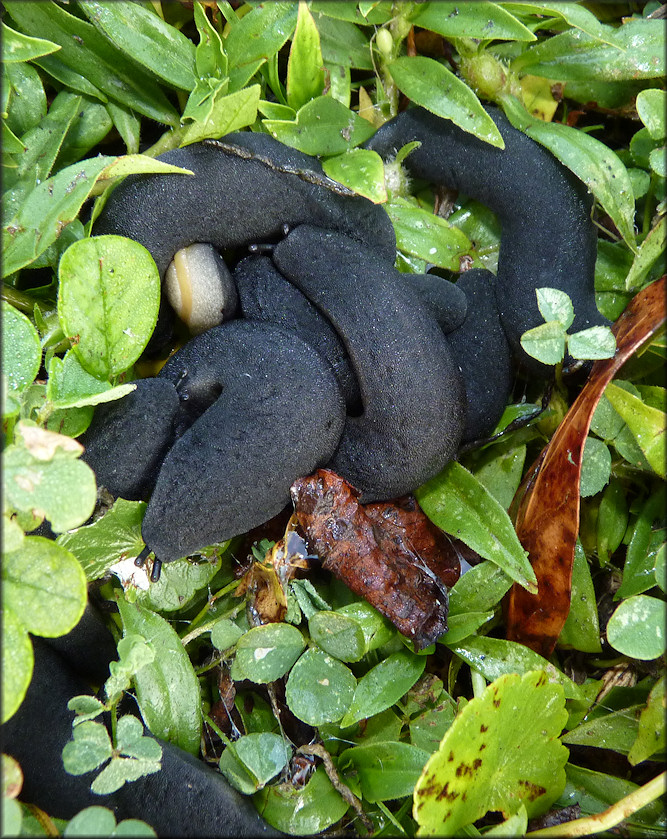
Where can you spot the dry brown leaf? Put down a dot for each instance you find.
(548, 516)
(386, 553)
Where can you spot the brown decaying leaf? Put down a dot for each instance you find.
(548, 515)
(388, 553)
(266, 582)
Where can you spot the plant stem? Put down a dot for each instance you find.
(21, 301)
(611, 817)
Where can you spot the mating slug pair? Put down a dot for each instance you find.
(331, 357)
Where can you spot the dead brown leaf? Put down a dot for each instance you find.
(548, 516)
(387, 553)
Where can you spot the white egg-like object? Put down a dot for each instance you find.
(200, 288)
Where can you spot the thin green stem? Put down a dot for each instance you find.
(21, 301)
(611, 817)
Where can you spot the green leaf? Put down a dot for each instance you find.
(251, 761)
(100, 821)
(210, 55)
(640, 559)
(612, 521)
(319, 688)
(361, 170)
(21, 349)
(427, 236)
(596, 791)
(224, 634)
(42, 475)
(516, 825)
(342, 43)
(384, 685)
(555, 305)
(121, 770)
(223, 113)
(111, 538)
(545, 342)
(133, 653)
(337, 634)
(54, 203)
(494, 657)
(261, 32)
(17, 662)
(305, 66)
(457, 503)
(479, 589)
(501, 470)
(167, 689)
(179, 583)
(89, 748)
(266, 653)
(646, 424)
(146, 38)
(590, 160)
(651, 733)
(86, 51)
(71, 386)
(582, 628)
(44, 586)
(460, 20)
(323, 126)
(85, 707)
(108, 302)
(616, 731)
(637, 628)
(493, 758)
(385, 771)
(461, 626)
(595, 467)
(127, 124)
(377, 630)
(650, 250)
(302, 811)
(19, 47)
(651, 105)
(434, 87)
(42, 144)
(637, 52)
(593, 343)
(90, 126)
(24, 97)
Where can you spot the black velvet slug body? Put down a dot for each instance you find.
(548, 238)
(337, 358)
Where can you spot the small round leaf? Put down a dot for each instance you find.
(637, 628)
(338, 635)
(265, 653)
(320, 688)
(21, 349)
(108, 302)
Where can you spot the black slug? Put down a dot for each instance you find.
(411, 389)
(264, 294)
(185, 798)
(275, 412)
(481, 349)
(245, 190)
(128, 439)
(548, 238)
